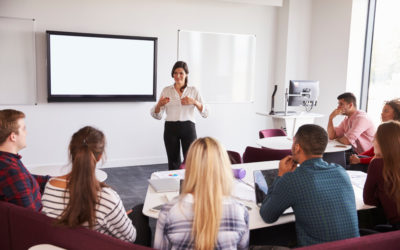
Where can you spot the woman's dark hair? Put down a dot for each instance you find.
(85, 150)
(183, 65)
(395, 105)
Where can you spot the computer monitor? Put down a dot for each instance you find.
(303, 93)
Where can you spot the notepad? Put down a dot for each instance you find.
(164, 185)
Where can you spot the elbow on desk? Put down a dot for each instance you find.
(267, 217)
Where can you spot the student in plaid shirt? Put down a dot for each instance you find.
(17, 185)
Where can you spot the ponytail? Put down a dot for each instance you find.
(86, 147)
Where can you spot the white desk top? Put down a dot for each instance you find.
(154, 199)
(63, 170)
(292, 115)
(284, 142)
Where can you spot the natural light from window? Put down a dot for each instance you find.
(385, 63)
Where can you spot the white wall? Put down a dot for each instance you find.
(134, 137)
(329, 48)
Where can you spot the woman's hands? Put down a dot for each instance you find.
(188, 101)
(163, 100)
(354, 159)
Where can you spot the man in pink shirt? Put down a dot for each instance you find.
(356, 129)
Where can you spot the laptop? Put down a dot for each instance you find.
(263, 180)
(164, 185)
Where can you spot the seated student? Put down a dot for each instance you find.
(204, 216)
(390, 111)
(17, 185)
(382, 186)
(320, 193)
(356, 129)
(78, 198)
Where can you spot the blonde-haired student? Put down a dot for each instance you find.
(204, 216)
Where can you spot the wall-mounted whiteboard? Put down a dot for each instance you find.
(220, 65)
(17, 61)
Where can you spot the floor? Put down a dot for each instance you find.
(131, 185)
(131, 182)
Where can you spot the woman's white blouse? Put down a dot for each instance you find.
(175, 110)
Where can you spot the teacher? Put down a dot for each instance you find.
(179, 101)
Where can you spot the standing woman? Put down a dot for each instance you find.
(382, 186)
(204, 216)
(179, 101)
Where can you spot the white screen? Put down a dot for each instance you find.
(101, 66)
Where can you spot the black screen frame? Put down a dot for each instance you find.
(100, 98)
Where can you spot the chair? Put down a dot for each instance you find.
(234, 157)
(252, 154)
(335, 157)
(271, 132)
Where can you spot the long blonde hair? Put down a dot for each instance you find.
(208, 178)
(388, 138)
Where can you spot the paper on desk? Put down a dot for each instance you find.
(357, 178)
(243, 192)
(179, 174)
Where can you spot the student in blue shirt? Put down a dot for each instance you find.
(320, 193)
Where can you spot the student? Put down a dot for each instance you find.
(356, 129)
(78, 198)
(17, 185)
(390, 111)
(179, 101)
(382, 187)
(320, 193)
(204, 216)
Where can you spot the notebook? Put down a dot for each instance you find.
(164, 185)
(263, 180)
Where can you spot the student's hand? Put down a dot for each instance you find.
(129, 211)
(287, 164)
(163, 100)
(188, 101)
(335, 113)
(354, 159)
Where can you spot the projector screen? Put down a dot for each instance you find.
(96, 67)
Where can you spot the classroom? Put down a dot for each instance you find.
(320, 40)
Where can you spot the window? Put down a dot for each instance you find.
(381, 80)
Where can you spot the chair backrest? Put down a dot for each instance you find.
(252, 154)
(271, 132)
(335, 157)
(234, 157)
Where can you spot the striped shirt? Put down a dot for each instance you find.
(111, 218)
(174, 225)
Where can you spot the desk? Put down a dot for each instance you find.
(291, 122)
(255, 221)
(285, 142)
(62, 170)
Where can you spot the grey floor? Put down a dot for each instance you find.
(131, 185)
(131, 182)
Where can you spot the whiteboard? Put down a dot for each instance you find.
(17, 61)
(220, 65)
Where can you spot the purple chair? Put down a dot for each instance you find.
(271, 133)
(252, 154)
(234, 157)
